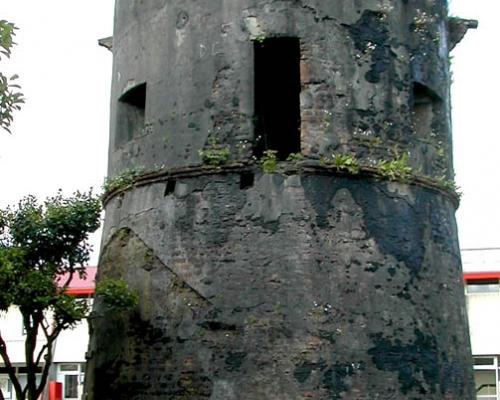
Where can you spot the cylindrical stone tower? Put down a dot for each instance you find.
(280, 198)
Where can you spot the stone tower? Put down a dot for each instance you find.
(281, 199)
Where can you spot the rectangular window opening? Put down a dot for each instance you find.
(169, 187)
(130, 113)
(483, 286)
(68, 367)
(424, 100)
(6, 387)
(246, 180)
(71, 386)
(277, 96)
(486, 385)
(484, 361)
(479, 288)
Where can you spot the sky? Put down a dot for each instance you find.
(476, 132)
(59, 139)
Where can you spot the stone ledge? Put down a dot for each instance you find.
(310, 167)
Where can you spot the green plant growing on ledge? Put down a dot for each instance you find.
(346, 162)
(396, 169)
(122, 180)
(269, 161)
(260, 39)
(342, 162)
(447, 184)
(295, 157)
(215, 155)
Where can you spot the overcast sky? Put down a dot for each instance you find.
(60, 137)
(476, 110)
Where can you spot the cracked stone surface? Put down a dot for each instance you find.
(300, 286)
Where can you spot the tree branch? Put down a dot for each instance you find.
(46, 367)
(31, 322)
(11, 371)
(50, 340)
(48, 348)
(70, 278)
(45, 326)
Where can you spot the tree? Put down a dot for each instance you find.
(40, 244)
(10, 96)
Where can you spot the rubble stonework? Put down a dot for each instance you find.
(309, 281)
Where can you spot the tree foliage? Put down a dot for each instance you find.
(39, 245)
(10, 96)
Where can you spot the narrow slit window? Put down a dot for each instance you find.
(130, 114)
(277, 96)
(424, 100)
(170, 187)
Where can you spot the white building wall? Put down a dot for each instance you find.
(481, 260)
(484, 322)
(11, 328)
(71, 344)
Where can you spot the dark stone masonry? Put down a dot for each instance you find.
(330, 272)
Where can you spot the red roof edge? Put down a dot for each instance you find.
(480, 276)
(80, 286)
(80, 292)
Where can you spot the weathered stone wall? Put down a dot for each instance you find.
(360, 61)
(305, 283)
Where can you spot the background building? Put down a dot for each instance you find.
(482, 274)
(69, 350)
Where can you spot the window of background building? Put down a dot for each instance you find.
(6, 387)
(483, 286)
(70, 376)
(71, 387)
(486, 378)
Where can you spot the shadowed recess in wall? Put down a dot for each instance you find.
(277, 91)
(130, 114)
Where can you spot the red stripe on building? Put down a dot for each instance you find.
(481, 276)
